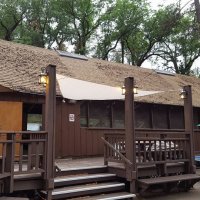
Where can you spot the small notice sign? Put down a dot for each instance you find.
(71, 117)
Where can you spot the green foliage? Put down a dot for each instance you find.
(84, 19)
(181, 48)
(12, 12)
(120, 30)
(154, 29)
(34, 118)
(125, 17)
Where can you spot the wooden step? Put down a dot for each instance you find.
(112, 196)
(84, 178)
(168, 179)
(89, 189)
(80, 170)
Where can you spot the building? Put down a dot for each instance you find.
(81, 123)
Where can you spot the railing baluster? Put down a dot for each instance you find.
(165, 149)
(21, 156)
(170, 150)
(3, 157)
(138, 151)
(150, 155)
(29, 156)
(160, 150)
(37, 156)
(155, 150)
(175, 156)
(180, 150)
(145, 153)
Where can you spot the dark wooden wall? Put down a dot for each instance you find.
(73, 140)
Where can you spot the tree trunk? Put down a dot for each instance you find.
(197, 8)
(122, 47)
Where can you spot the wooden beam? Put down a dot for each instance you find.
(188, 119)
(130, 132)
(50, 112)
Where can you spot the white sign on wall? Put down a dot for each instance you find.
(71, 117)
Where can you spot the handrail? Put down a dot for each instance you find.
(116, 151)
(24, 132)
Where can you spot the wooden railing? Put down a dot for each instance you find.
(117, 154)
(152, 147)
(22, 153)
(117, 141)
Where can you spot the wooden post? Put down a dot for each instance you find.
(9, 165)
(50, 112)
(130, 133)
(188, 117)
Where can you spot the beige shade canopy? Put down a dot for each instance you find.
(83, 90)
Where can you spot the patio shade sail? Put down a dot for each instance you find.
(83, 90)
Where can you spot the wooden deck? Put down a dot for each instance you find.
(69, 164)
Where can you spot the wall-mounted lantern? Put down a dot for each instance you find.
(123, 90)
(43, 77)
(183, 94)
(135, 90)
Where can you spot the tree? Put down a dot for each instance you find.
(12, 14)
(36, 23)
(85, 16)
(125, 17)
(59, 31)
(197, 8)
(154, 30)
(179, 51)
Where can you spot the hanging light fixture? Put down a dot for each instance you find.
(183, 94)
(43, 79)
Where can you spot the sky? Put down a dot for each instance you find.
(155, 3)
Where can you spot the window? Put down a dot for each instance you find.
(100, 114)
(142, 115)
(196, 117)
(176, 118)
(118, 114)
(32, 117)
(110, 114)
(160, 117)
(84, 114)
(34, 122)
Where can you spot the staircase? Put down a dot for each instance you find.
(89, 183)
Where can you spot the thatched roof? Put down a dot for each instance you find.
(21, 64)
